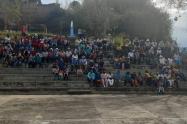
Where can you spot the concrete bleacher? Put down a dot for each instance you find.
(29, 78)
(42, 79)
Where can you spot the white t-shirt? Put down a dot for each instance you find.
(130, 55)
(74, 56)
(68, 53)
(159, 51)
(170, 61)
(151, 50)
(162, 61)
(176, 57)
(45, 54)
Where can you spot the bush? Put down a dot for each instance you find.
(120, 41)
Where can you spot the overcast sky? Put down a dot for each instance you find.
(179, 27)
(62, 2)
(180, 30)
(48, 1)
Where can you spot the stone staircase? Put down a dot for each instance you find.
(37, 79)
(41, 81)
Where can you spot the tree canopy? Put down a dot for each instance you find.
(133, 17)
(10, 11)
(101, 17)
(177, 4)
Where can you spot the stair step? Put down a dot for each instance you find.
(78, 85)
(79, 91)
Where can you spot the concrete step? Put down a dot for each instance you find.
(36, 78)
(24, 71)
(79, 91)
(140, 90)
(47, 84)
(183, 84)
(33, 75)
(32, 85)
(27, 75)
(27, 79)
(82, 85)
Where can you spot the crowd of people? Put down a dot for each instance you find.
(161, 56)
(147, 52)
(86, 57)
(30, 51)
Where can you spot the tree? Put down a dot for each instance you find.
(133, 17)
(98, 17)
(74, 5)
(178, 4)
(11, 11)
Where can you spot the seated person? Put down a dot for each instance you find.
(91, 77)
(110, 80)
(98, 82)
(79, 72)
(128, 79)
(134, 81)
(66, 74)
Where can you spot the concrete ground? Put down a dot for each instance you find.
(93, 109)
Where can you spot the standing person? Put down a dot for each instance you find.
(106, 79)
(160, 86)
(66, 73)
(103, 79)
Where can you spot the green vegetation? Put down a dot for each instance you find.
(119, 41)
(97, 17)
(11, 11)
(14, 34)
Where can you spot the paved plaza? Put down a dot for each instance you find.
(93, 109)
